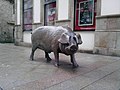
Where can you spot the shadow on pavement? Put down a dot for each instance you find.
(1, 88)
(64, 64)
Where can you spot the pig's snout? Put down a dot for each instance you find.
(73, 48)
(81, 42)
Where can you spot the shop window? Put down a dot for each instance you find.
(50, 12)
(27, 14)
(85, 15)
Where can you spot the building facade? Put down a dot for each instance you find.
(96, 21)
(107, 33)
(6, 21)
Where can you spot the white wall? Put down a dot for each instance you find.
(27, 37)
(88, 40)
(18, 12)
(63, 7)
(36, 11)
(109, 7)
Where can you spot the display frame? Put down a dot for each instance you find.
(87, 26)
(89, 19)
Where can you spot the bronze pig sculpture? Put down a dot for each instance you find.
(56, 39)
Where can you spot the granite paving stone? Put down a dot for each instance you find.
(95, 72)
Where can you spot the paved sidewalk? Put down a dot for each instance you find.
(95, 72)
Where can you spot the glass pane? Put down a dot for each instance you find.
(86, 13)
(28, 14)
(50, 12)
(27, 4)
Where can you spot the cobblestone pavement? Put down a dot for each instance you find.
(95, 72)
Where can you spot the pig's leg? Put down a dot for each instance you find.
(75, 65)
(32, 53)
(47, 57)
(56, 59)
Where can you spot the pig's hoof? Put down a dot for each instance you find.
(49, 59)
(75, 66)
(57, 65)
(31, 59)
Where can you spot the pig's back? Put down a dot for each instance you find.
(46, 36)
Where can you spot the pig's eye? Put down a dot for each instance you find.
(74, 38)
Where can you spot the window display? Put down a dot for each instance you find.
(50, 11)
(86, 13)
(28, 14)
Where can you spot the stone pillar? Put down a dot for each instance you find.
(64, 14)
(107, 34)
(6, 22)
(18, 33)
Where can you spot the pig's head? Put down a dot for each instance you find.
(68, 43)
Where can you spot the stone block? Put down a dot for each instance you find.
(112, 39)
(101, 39)
(99, 50)
(101, 24)
(6, 30)
(105, 39)
(118, 40)
(36, 26)
(108, 23)
(114, 52)
(113, 23)
(18, 32)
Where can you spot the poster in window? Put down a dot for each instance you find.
(28, 16)
(86, 13)
(50, 12)
(28, 19)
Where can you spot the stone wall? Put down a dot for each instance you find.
(107, 35)
(6, 17)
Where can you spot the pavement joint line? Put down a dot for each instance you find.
(83, 75)
(99, 79)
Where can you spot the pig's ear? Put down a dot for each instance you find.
(79, 40)
(64, 38)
